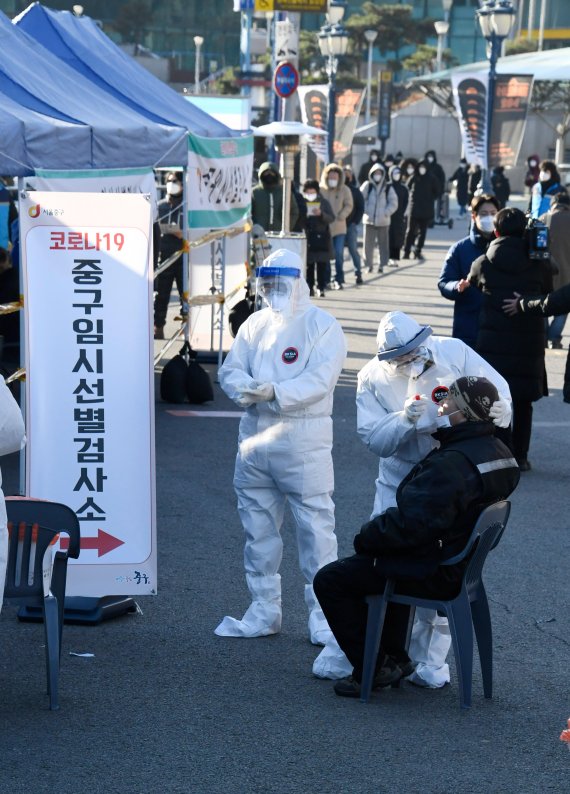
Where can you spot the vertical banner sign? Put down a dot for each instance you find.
(314, 112)
(89, 379)
(510, 109)
(470, 97)
(348, 106)
(218, 190)
(385, 84)
(219, 172)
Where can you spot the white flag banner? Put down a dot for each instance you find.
(470, 97)
(109, 180)
(314, 112)
(90, 379)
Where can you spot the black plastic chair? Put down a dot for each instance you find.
(33, 525)
(470, 609)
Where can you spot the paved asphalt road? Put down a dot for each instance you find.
(165, 706)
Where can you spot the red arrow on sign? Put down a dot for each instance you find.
(104, 543)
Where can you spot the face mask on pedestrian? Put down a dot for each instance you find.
(269, 178)
(310, 196)
(486, 224)
(377, 177)
(332, 182)
(429, 158)
(396, 176)
(544, 176)
(422, 171)
(533, 164)
(173, 188)
(442, 421)
(410, 170)
(374, 158)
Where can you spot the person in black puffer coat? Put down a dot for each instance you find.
(398, 219)
(319, 245)
(513, 346)
(423, 192)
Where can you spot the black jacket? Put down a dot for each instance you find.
(440, 500)
(423, 192)
(461, 177)
(357, 205)
(514, 346)
(398, 219)
(319, 243)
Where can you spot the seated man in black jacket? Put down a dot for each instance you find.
(438, 505)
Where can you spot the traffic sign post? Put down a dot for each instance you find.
(285, 80)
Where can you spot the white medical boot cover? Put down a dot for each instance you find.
(429, 646)
(319, 631)
(263, 616)
(331, 662)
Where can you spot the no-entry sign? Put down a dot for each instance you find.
(285, 80)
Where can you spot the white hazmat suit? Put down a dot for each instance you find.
(387, 425)
(283, 367)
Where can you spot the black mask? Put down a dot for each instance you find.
(269, 179)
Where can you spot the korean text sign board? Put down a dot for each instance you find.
(306, 6)
(86, 257)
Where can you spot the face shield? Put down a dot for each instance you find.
(411, 364)
(275, 286)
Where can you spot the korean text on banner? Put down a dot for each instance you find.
(510, 109)
(349, 104)
(219, 177)
(89, 379)
(314, 112)
(109, 180)
(470, 97)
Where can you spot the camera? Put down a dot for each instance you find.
(538, 238)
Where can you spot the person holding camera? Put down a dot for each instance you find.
(513, 346)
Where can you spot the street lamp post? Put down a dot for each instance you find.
(496, 19)
(441, 29)
(370, 36)
(333, 43)
(198, 41)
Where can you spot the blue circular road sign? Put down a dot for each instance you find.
(285, 80)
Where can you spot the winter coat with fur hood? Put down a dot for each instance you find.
(339, 197)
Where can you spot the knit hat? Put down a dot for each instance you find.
(474, 397)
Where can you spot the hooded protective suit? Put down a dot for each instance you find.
(283, 367)
(400, 443)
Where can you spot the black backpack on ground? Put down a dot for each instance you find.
(184, 379)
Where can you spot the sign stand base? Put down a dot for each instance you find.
(82, 610)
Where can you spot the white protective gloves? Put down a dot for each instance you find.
(422, 412)
(261, 394)
(500, 412)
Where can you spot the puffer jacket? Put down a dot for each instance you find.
(457, 265)
(340, 199)
(440, 500)
(514, 346)
(380, 199)
(267, 203)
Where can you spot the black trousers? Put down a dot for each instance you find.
(341, 588)
(566, 389)
(163, 284)
(322, 268)
(416, 235)
(522, 427)
(395, 253)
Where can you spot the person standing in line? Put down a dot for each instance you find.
(396, 401)
(319, 247)
(171, 222)
(339, 197)
(408, 168)
(282, 369)
(558, 221)
(353, 222)
(438, 174)
(380, 203)
(460, 178)
(513, 346)
(423, 192)
(475, 175)
(532, 172)
(545, 189)
(501, 185)
(373, 158)
(267, 200)
(398, 219)
(453, 283)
